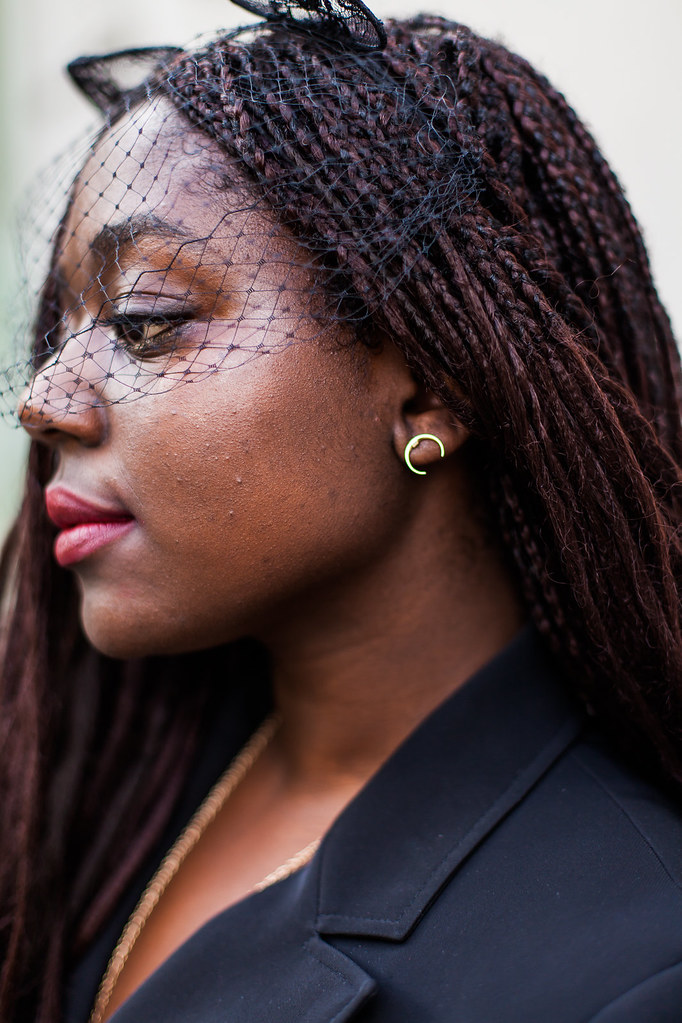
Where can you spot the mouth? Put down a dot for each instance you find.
(84, 526)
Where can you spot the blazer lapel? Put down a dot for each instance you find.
(442, 792)
(260, 960)
(272, 956)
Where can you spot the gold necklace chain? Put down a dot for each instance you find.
(177, 854)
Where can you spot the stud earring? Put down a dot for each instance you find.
(412, 444)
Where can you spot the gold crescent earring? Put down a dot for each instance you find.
(412, 444)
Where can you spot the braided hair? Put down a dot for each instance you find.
(460, 208)
(525, 301)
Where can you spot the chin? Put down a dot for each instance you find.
(124, 637)
(121, 644)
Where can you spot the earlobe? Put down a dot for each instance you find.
(412, 444)
(424, 429)
(427, 434)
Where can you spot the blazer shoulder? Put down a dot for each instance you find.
(646, 815)
(658, 999)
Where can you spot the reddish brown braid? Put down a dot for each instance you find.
(534, 296)
(461, 205)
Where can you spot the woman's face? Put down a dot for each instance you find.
(222, 458)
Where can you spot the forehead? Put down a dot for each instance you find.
(154, 180)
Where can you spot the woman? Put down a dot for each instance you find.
(356, 426)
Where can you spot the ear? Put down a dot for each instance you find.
(424, 413)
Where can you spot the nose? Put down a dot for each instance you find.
(61, 402)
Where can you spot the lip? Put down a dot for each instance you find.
(85, 525)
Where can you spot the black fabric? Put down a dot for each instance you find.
(348, 22)
(502, 867)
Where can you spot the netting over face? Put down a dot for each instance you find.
(190, 244)
(166, 268)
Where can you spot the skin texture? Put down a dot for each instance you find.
(269, 497)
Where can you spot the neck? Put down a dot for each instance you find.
(350, 686)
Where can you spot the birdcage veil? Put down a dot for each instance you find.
(132, 295)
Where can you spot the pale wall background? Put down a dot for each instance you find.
(617, 60)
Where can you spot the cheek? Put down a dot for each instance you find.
(276, 481)
(250, 490)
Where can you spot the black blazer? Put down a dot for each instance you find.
(502, 867)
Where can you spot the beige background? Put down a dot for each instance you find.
(618, 61)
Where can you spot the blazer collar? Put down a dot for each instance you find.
(442, 792)
(381, 863)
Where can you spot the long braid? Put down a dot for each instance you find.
(579, 192)
(532, 291)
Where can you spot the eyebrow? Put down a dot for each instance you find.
(113, 239)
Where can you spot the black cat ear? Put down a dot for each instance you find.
(345, 21)
(114, 80)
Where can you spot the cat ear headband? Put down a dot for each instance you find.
(117, 80)
(346, 21)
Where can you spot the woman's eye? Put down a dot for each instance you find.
(145, 336)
